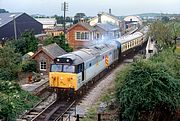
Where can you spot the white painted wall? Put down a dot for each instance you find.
(104, 19)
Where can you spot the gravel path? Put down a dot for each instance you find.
(92, 97)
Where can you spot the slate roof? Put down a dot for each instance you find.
(52, 50)
(8, 17)
(107, 26)
(85, 25)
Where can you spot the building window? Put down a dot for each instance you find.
(97, 36)
(78, 35)
(43, 65)
(82, 36)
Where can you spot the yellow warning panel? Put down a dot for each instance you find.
(107, 60)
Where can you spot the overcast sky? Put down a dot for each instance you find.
(91, 7)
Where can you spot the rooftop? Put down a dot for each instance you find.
(8, 17)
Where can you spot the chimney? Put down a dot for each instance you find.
(40, 46)
(99, 18)
(82, 20)
(109, 11)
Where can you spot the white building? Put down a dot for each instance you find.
(108, 18)
(134, 19)
(48, 23)
(105, 18)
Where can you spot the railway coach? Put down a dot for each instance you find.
(74, 71)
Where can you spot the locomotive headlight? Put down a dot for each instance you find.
(61, 78)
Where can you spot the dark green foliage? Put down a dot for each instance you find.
(61, 41)
(13, 100)
(3, 11)
(26, 43)
(29, 66)
(9, 63)
(150, 89)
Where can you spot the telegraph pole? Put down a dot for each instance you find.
(15, 33)
(64, 8)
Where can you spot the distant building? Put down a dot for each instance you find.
(19, 22)
(105, 18)
(107, 31)
(41, 37)
(80, 35)
(27, 56)
(133, 21)
(57, 31)
(45, 56)
(48, 23)
(108, 18)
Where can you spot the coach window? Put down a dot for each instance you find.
(43, 65)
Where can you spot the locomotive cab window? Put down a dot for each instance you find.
(68, 68)
(56, 68)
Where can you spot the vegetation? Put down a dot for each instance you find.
(29, 66)
(9, 63)
(60, 40)
(3, 11)
(26, 43)
(149, 90)
(165, 33)
(13, 100)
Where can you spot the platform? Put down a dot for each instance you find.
(36, 85)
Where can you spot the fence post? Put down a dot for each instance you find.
(99, 117)
(69, 117)
(77, 119)
(120, 116)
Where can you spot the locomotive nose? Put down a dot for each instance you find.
(63, 80)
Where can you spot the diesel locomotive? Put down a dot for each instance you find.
(74, 71)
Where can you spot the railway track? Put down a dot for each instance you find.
(55, 111)
(39, 107)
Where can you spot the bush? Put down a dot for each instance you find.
(29, 66)
(13, 100)
(149, 90)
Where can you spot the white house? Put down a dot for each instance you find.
(135, 19)
(48, 23)
(104, 17)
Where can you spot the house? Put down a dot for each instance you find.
(14, 24)
(104, 17)
(132, 21)
(45, 56)
(80, 35)
(48, 23)
(107, 30)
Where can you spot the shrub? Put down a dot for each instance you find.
(13, 100)
(29, 66)
(148, 88)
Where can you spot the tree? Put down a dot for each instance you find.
(60, 40)
(162, 34)
(78, 16)
(165, 19)
(26, 43)
(3, 11)
(9, 63)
